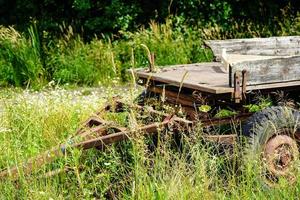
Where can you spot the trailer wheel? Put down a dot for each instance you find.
(273, 136)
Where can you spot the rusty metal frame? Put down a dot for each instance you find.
(237, 87)
(240, 83)
(98, 133)
(97, 137)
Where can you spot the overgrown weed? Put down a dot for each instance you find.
(169, 166)
(25, 61)
(20, 58)
(32, 59)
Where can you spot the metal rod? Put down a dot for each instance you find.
(59, 151)
(99, 137)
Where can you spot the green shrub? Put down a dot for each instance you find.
(100, 61)
(77, 63)
(20, 63)
(68, 59)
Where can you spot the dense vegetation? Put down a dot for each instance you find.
(49, 43)
(34, 122)
(68, 59)
(110, 16)
(90, 43)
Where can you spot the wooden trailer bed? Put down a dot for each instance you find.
(272, 63)
(204, 77)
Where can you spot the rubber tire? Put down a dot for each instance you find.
(261, 126)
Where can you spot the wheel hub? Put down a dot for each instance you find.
(283, 157)
(280, 154)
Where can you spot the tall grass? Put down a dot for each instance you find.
(192, 169)
(32, 59)
(24, 60)
(20, 60)
(98, 62)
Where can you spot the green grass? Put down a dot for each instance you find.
(102, 60)
(25, 61)
(32, 59)
(32, 122)
(20, 60)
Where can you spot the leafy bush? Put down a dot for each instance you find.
(96, 17)
(74, 62)
(20, 58)
(25, 61)
(100, 61)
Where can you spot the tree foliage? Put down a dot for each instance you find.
(110, 16)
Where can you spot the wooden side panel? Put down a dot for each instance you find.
(273, 70)
(273, 46)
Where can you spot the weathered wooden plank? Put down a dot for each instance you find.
(206, 77)
(181, 67)
(265, 71)
(233, 58)
(211, 77)
(272, 46)
(200, 87)
(274, 86)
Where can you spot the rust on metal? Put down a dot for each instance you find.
(33, 163)
(172, 96)
(204, 122)
(101, 142)
(98, 133)
(237, 87)
(244, 83)
(280, 154)
(225, 120)
(221, 139)
(89, 141)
